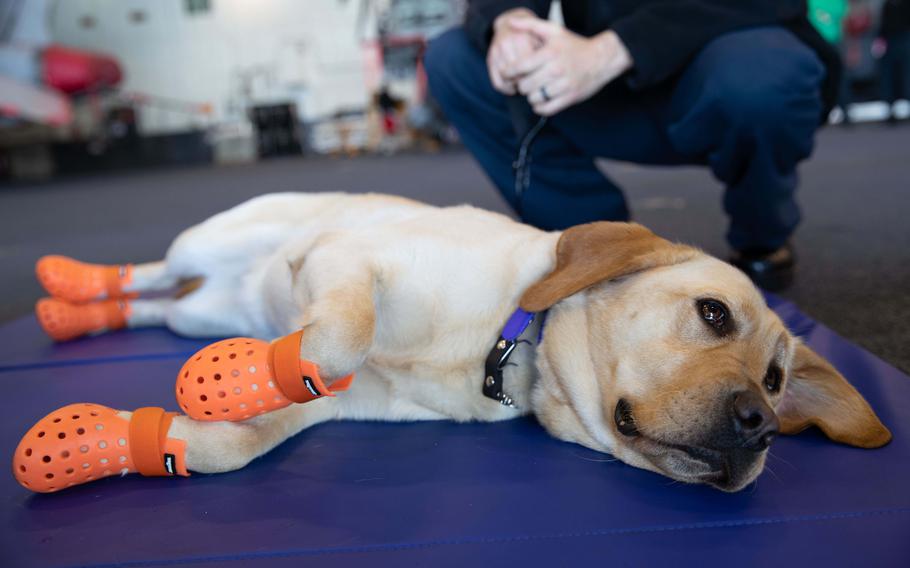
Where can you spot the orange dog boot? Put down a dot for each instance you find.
(64, 321)
(76, 281)
(239, 378)
(83, 442)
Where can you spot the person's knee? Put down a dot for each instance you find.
(765, 102)
(778, 108)
(447, 48)
(765, 78)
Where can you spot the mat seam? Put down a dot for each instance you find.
(93, 361)
(501, 540)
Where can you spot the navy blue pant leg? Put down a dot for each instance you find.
(894, 68)
(749, 106)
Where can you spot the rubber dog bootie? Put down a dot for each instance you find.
(64, 321)
(240, 378)
(76, 281)
(83, 442)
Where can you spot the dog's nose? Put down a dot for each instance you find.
(754, 421)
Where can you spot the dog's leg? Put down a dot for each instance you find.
(150, 277)
(149, 313)
(202, 314)
(82, 442)
(216, 447)
(89, 299)
(208, 313)
(339, 319)
(77, 282)
(338, 322)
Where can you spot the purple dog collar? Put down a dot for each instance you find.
(517, 323)
(498, 358)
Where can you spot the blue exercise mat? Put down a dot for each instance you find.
(25, 346)
(441, 494)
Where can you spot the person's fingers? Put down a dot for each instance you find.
(554, 90)
(543, 28)
(528, 64)
(493, 64)
(534, 81)
(501, 84)
(506, 18)
(554, 106)
(507, 51)
(496, 54)
(516, 48)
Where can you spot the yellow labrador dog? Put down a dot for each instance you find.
(653, 352)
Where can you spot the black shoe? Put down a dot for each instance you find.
(771, 270)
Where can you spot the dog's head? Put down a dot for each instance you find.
(670, 360)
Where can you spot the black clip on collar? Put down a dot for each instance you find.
(496, 361)
(499, 356)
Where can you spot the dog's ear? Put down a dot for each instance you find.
(595, 252)
(817, 395)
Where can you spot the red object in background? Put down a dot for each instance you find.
(75, 71)
(389, 122)
(858, 21)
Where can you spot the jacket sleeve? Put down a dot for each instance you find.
(482, 13)
(663, 37)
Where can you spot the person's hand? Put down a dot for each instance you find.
(568, 68)
(509, 47)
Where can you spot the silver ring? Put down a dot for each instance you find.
(545, 94)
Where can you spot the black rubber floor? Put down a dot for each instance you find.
(854, 244)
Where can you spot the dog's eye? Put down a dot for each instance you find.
(715, 314)
(773, 379)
